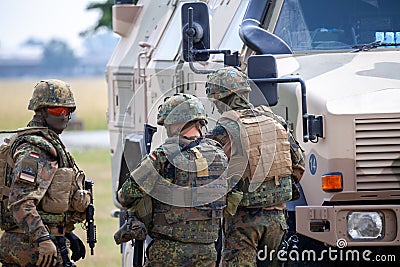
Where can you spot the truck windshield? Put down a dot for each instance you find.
(340, 24)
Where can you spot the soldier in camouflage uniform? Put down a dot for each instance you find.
(37, 210)
(186, 180)
(257, 219)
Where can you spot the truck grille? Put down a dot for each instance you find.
(377, 154)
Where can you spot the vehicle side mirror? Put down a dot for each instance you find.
(260, 68)
(196, 28)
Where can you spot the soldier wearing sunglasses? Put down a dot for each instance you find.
(53, 103)
(45, 196)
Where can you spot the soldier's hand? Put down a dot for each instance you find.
(47, 254)
(132, 229)
(77, 246)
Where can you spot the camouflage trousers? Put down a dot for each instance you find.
(169, 253)
(250, 234)
(17, 250)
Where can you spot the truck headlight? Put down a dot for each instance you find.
(365, 225)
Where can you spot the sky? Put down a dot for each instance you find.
(43, 20)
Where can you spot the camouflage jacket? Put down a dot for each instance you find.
(155, 169)
(36, 160)
(186, 180)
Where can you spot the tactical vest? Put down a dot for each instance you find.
(296, 152)
(192, 165)
(267, 178)
(64, 192)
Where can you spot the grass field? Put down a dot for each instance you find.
(97, 166)
(90, 96)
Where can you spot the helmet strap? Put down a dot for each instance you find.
(201, 124)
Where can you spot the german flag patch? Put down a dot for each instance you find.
(27, 176)
(153, 156)
(34, 155)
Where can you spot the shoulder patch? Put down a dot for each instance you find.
(27, 176)
(34, 155)
(157, 154)
(153, 156)
(27, 168)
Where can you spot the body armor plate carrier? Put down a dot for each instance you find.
(267, 178)
(193, 166)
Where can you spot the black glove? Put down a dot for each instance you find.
(77, 246)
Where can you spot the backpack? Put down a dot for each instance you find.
(6, 168)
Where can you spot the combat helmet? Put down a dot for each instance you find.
(180, 108)
(52, 93)
(225, 82)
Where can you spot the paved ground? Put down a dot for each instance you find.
(85, 139)
(82, 139)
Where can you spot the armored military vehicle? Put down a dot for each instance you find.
(330, 68)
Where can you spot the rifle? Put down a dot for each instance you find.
(138, 248)
(90, 227)
(138, 253)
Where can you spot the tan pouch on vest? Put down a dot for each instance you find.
(56, 199)
(233, 200)
(144, 210)
(80, 198)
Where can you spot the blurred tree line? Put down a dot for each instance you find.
(57, 51)
(105, 9)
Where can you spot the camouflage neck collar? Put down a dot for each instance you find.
(37, 121)
(236, 102)
(64, 158)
